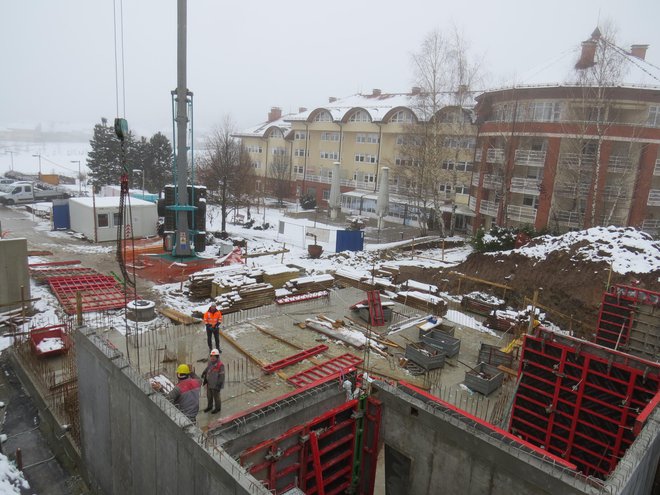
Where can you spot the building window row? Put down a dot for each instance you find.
(458, 166)
(362, 158)
(300, 152)
(330, 155)
(370, 138)
(254, 148)
(535, 111)
(460, 143)
(300, 135)
(279, 151)
(329, 136)
(360, 116)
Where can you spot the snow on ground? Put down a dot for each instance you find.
(627, 249)
(11, 479)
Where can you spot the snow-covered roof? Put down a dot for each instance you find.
(379, 106)
(624, 69)
(109, 202)
(260, 130)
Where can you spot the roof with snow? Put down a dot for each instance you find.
(264, 129)
(109, 202)
(574, 67)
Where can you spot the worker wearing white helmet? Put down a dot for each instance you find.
(214, 379)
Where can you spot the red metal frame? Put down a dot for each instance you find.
(375, 309)
(581, 401)
(294, 298)
(98, 292)
(52, 331)
(322, 372)
(296, 358)
(317, 456)
(43, 274)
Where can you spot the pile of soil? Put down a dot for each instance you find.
(566, 283)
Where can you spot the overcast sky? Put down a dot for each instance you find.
(58, 57)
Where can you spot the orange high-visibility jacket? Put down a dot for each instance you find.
(213, 318)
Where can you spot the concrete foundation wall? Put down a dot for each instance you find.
(135, 441)
(14, 273)
(428, 451)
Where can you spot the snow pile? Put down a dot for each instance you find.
(50, 344)
(627, 250)
(11, 479)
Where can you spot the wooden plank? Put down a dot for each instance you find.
(178, 316)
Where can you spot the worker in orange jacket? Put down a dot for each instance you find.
(213, 320)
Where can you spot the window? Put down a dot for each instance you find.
(276, 134)
(298, 169)
(359, 157)
(463, 166)
(300, 135)
(323, 116)
(400, 139)
(116, 219)
(404, 116)
(532, 201)
(330, 155)
(461, 189)
(445, 188)
(448, 165)
(654, 116)
(544, 111)
(326, 194)
(458, 142)
(256, 164)
(253, 148)
(371, 138)
(360, 116)
(300, 152)
(329, 136)
(279, 151)
(103, 220)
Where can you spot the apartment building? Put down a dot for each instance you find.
(575, 153)
(365, 133)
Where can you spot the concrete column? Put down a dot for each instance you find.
(14, 273)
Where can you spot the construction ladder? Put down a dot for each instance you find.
(375, 308)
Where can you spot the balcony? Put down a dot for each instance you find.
(495, 155)
(570, 218)
(492, 181)
(615, 193)
(656, 170)
(530, 157)
(475, 179)
(524, 214)
(571, 190)
(618, 164)
(654, 197)
(488, 208)
(477, 155)
(472, 204)
(577, 161)
(651, 226)
(525, 186)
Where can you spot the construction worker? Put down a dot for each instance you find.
(214, 379)
(213, 320)
(185, 395)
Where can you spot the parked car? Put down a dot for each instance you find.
(27, 192)
(4, 180)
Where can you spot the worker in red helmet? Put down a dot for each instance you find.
(213, 320)
(214, 379)
(185, 395)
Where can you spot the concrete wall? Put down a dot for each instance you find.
(428, 451)
(134, 441)
(14, 273)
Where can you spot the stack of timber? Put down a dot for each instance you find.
(207, 283)
(480, 303)
(363, 282)
(303, 285)
(246, 297)
(279, 275)
(501, 320)
(387, 272)
(200, 285)
(423, 301)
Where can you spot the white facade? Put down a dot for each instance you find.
(105, 210)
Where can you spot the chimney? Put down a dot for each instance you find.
(416, 90)
(639, 51)
(587, 55)
(332, 99)
(301, 109)
(274, 114)
(375, 92)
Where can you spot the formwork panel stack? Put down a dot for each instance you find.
(580, 401)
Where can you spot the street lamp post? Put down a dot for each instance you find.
(38, 156)
(11, 154)
(79, 176)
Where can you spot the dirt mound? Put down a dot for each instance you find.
(571, 272)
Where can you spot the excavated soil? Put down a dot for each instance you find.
(570, 287)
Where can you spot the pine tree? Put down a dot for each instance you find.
(104, 160)
(158, 163)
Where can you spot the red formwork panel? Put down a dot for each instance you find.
(99, 292)
(296, 358)
(317, 456)
(332, 367)
(581, 401)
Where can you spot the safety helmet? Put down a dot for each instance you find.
(215, 352)
(183, 369)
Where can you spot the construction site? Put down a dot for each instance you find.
(347, 384)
